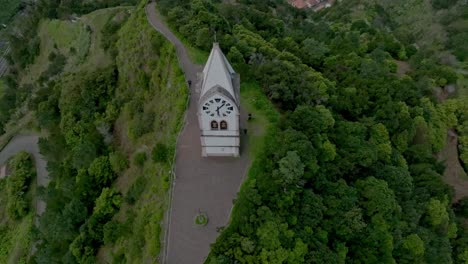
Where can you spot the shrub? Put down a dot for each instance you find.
(160, 153)
(201, 219)
(461, 207)
(57, 63)
(102, 171)
(17, 185)
(118, 161)
(135, 190)
(113, 230)
(139, 159)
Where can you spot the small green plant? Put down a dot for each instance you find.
(118, 161)
(139, 159)
(201, 219)
(135, 190)
(112, 231)
(160, 152)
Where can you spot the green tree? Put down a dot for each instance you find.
(414, 245)
(314, 51)
(376, 197)
(437, 212)
(118, 162)
(101, 170)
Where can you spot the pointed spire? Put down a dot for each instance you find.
(218, 72)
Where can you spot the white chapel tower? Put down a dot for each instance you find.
(218, 107)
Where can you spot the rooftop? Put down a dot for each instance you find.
(218, 72)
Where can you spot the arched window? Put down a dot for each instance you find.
(223, 125)
(214, 125)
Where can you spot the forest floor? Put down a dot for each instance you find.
(454, 174)
(402, 67)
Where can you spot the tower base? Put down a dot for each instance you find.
(220, 151)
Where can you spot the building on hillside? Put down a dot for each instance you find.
(219, 107)
(314, 4)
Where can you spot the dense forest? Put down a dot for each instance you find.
(349, 174)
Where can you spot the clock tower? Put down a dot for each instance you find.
(218, 107)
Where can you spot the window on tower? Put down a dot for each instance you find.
(223, 125)
(214, 125)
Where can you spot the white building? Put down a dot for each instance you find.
(218, 107)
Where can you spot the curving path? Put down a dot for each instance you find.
(28, 143)
(206, 185)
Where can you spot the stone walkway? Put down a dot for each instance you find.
(206, 185)
(28, 143)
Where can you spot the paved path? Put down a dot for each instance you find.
(201, 184)
(29, 144)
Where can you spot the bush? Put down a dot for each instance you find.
(139, 159)
(461, 207)
(160, 153)
(57, 63)
(118, 161)
(201, 219)
(135, 190)
(113, 230)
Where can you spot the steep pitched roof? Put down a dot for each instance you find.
(218, 72)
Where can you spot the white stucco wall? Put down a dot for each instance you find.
(219, 142)
(205, 120)
(220, 151)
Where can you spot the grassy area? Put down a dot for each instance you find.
(2, 88)
(67, 35)
(197, 56)
(78, 41)
(97, 57)
(264, 116)
(15, 240)
(459, 25)
(8, 10)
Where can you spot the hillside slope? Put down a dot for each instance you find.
(108, 96)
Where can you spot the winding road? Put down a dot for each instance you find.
(206, 185)
(28, 143)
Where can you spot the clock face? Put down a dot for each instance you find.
(217, 107)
